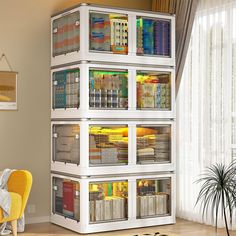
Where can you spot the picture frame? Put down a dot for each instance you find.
(8, 90)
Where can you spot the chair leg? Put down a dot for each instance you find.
(14, 227)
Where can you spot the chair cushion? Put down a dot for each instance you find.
(16, 205)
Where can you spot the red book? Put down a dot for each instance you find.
(68, 198)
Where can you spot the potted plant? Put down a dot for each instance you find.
(218, 192)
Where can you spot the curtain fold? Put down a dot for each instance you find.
(185, 12)
(204, 107)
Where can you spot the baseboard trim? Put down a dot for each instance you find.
(35, 220)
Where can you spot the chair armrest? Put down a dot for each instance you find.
(20, 181)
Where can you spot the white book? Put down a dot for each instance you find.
(161, 204)
(122, 207)
(99, 210)
(151, 205)
(92, 211)
(107, 209)
(143, 206)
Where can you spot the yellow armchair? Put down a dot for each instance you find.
(19, 186)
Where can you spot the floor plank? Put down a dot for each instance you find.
(181, 228)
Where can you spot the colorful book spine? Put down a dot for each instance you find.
(139, 28)
(162, 38)
(148, 36)
(68, 198)
(66, 89)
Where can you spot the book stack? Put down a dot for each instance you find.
(119, 208)
(153, 37)
(59, 90)
(122, 148)
(108, 90)
(94, 152)
(109, 155)
(139, 29)
(153, 92)
(148, 36)
(101, 138)
(110, 208)
(153, 147)
(163, 96)
(107, 146)
(162, 148)
(119, 35)
(72, 89)
(145, 155)
(150, 205)
(162, 38)
(161, 204)
(100, 32)
(66, 89)
(142, 142)
(66, 32)
(148, 93)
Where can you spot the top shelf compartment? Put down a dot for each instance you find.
(89, 33)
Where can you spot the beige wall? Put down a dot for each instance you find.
(25, 134)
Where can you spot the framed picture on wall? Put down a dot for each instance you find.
(8, 90)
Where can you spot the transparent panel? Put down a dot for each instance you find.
(233, 153)
(233, 130)
(66, 89)
(153, 197)
(109, 32)
(108, 89)
(66, 143)
(234, 70)
(153, 90)
(66, 34)
(153, 36)
(66, 198)
(108, 201)
(108, 145)
(153, 144)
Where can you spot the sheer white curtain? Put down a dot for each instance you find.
(206, 100)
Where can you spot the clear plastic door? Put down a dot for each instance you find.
(108, 145)
(66, 198)
(153, 144)
(108, 201)
(153, 197)
(66, 143)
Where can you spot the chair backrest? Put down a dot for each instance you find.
(20, 181)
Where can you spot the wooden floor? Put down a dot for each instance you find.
(181, 228)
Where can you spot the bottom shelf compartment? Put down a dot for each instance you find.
(87, 205)
(153, 197)
(108, 201)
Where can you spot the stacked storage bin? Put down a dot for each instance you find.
(112, 119)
